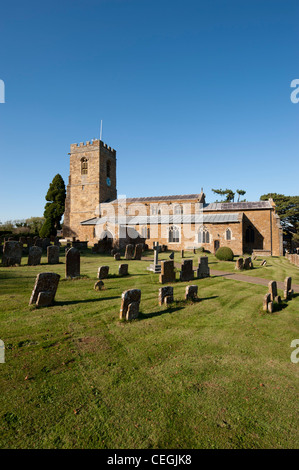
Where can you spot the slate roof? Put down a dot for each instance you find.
(238, 206)
(177, 197)
(166, 219)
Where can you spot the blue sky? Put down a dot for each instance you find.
(192, 94)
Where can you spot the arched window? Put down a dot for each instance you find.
(178, 209)
(84, 166)
(174, 234)
(249, 235)
(203, 236)
(108, 168)
(228, 234)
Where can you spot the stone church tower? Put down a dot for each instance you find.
(92, 181)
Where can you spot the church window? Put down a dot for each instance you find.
(228, 234)
(178, 210)
(174, 234)
(84, 166)
(203, 236)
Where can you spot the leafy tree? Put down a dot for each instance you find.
(35, 224)
(228, 193)
(240, 192)
(54, 209)
(287, 207)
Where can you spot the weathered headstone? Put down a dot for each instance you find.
(99, 285)
(239, 264)
(247, 263)
(164, 292)
(182, 253)
(272, 289)
(103, 272)
(203, 269)
(129, 297)
(288, 288)
(117, 256)
(191, 292)
(270, 307)
(72, 263)
(45, 243)
(12, 253)
(123, 270)
(34, 257)
(138, 251)
(53, 254)
(267, 299)
(263, 263)
(167, 272)
(129, 251)
(171, 256)
(44, 290)
(187, 273)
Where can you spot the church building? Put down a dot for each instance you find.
(93, 212)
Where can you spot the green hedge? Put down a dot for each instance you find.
(224, 253)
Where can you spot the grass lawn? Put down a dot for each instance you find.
(212, 374)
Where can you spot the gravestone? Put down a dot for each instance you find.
(129, 251)
(167, 272)
(103, 272)
(203, 269)
(12, 253)
(123, 270)
(267, 299)
(187, 273)
(182, 253)
(247, 263)
(38, 242)
(191, 292)
(53, 254)
(288, 288)
(270, 307)
(129, 297)
(155, 267)
(171, 256)
(239, 264)
(263, 263)
(99, 285)
(72, 263)
(117, 256)
(34, 257)
(272, 289)
(165, 292)
(44, 290)
(45, 243)
(138, 251)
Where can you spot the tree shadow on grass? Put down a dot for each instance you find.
(73, 302)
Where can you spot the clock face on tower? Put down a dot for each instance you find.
(108, 181)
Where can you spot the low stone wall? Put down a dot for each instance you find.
(293, 258)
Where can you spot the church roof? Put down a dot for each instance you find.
(178, 197)
(166, 219)
(237, 206)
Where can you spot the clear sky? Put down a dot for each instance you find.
(192, 94)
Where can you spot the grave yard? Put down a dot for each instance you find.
(214, 372)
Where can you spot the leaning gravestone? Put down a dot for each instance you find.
(34, 257)
(12, 253)
(99, 285)
(53, 254)
(44, 290)
(272, 290)
(167, 272)
(203, 269)
(191, 293)
(117, 256)
(165, 292)
(247, 263)
(138, 251)
(72, 263)
(130, 301)
(187, 273)
(239, 264)
(129, 251)
(123, 270)
(103, 272)
(266, 301)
